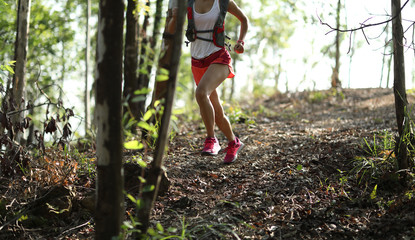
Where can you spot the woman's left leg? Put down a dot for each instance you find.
(220, 119)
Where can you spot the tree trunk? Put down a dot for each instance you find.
(399, 83)
(389, 71)
(153, 44)
(109, 201)
(154, 177)
(143, 76)
(23, 19)
(131, 60)
(384, 56)
(87, 99)
(160, 87)
(335, 81)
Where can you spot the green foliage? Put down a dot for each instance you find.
(373, 193)
(271, 25)
(5, 70)
(7, 29)
(320, 96)
(141, 7)
(317, 97)
(163, 75)
(237, 115)
(378, 160)
(158, 233)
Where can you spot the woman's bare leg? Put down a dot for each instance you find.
(214, 76)
(220, 119)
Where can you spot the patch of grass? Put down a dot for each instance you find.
(289, 114)
(317, 97)
(378, 160)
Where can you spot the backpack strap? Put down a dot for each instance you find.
(191, 28)
(219, 28)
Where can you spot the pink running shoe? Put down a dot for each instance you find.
(233, 148)
(212, 146)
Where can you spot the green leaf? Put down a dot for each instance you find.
(140, 98)
(142, 91)
(159, 227)
(164, 71)
(133, 145)
(127, 225)
(156, 103)
(142, 180)
(143, 71)
(9, 69)
(162, 78)
(22, 218)
(148, 188)
(145, 126)
(152, 232)
(373, 193)
(131, 198)
(172, 230)
(299, 167)
(148, 114)
(142, 163)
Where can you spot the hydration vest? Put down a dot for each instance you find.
(218, 30)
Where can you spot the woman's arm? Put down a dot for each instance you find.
(237, 12)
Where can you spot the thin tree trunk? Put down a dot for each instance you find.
(87, 98)
(160, 87)
(19, 80)
(109, 201)
(148, 198)
(335, 81)
(278, 75)
(131, 60)
(144, 75)
(144, 79)
(389, 70)
(399, 83)
(384, 55)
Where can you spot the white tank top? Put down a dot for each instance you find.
(200, 49)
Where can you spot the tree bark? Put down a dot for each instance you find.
(143, 76)
(145, 80)
(109, 201)
(399, 83)
(21, 47)
(148, 198)
(131, 60)
(87, 99)
(335, 81)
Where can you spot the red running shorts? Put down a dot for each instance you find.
(199, 66)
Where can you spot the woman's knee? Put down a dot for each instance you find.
(201, 94)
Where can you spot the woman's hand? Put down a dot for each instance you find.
(239, 47)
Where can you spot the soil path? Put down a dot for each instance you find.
(293, 180)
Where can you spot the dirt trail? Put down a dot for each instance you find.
(290, 181)
(297, 178)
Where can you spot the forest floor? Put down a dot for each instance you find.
(314, 166)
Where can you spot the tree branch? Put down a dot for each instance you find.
(362, 25)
